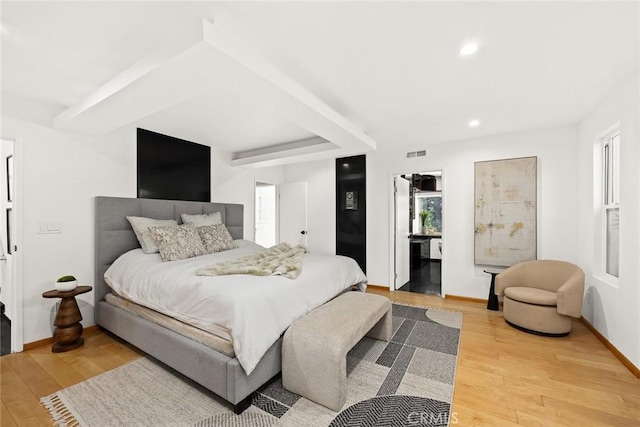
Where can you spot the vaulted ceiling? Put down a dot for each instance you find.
(276, 82)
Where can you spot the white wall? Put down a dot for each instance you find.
(237, 185)
(557, 199)
(63, 172)
(613, 308)
(557, 186)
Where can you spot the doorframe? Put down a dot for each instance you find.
(16, 285)
(391, 203)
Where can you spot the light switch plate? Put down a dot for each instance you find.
(49, 227)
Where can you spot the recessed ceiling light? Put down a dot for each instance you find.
(469, 49)
(474, 123)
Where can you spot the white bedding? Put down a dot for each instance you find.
(251, 311)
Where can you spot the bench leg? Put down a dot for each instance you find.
(241, 406)
(316, 375)
(382, 330)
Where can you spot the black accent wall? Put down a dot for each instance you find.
(351, 209)
(171, 168)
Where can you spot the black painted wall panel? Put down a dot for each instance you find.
(351, 209)
(171, 168)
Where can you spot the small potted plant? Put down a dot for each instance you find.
(66, 283)
(426, 219)
(427, 216)
(423, 219)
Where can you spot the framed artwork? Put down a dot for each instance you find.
(505, 211)
(9, 177)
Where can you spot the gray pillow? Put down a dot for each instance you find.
(141, 226)
(200, 220)
(216, 238)
(178, 242)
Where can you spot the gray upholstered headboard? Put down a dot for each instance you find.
(114, 235)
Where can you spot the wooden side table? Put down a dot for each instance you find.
(68, 332)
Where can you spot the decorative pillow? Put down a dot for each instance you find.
(141, 226)
(214, 218)
(178, 242)
(216, 238)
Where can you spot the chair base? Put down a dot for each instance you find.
(539, 319)
(531, 331)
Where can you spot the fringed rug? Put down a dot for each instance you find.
(407, 381)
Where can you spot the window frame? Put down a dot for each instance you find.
(610, 146)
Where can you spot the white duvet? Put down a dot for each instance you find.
(251, 311)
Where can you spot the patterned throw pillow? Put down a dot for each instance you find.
(216, 238)
(201, 220)
(178, 242)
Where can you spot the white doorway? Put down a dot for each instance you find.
(293, 213)
(265, 231)
(421, 210)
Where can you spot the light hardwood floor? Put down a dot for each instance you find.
(504, 376)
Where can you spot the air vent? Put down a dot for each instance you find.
(420, 153)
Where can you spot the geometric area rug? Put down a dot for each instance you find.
(406, 381)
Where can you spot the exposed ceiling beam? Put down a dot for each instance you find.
(311, 149)
(82, 116)
(190, 68)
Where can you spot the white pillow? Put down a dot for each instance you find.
(201, 220)
(141, 226)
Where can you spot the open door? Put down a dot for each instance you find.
(293, 213)
(402, 233)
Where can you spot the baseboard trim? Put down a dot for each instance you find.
(48, 341)
(621, 357)
(36, 344)
(378, 286)
(469, 299)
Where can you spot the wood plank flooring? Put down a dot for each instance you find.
(504, 376)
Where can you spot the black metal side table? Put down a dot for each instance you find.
(492, 302)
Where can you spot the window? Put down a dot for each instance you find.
(429, 206)
(611, 202)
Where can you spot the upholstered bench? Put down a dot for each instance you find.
(314, 349)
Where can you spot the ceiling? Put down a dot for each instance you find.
(254, 77)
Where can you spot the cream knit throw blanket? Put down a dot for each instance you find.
(278, 260)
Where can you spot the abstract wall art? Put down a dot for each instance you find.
(505, 211)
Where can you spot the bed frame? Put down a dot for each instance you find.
(219, 373)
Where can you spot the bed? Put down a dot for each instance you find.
(215, 368)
